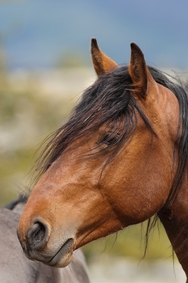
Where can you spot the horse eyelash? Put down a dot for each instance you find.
(108, 139)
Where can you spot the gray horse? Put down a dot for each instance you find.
(16, 268)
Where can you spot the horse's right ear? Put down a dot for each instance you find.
(138, 69)
(102, 63)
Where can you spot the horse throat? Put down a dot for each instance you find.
(174, 218)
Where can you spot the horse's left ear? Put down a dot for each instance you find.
(102, 63)
(138, 71)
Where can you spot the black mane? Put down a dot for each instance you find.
(107, 101)
(21, 199)
(104, 103)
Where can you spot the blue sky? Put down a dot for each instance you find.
(35, 33)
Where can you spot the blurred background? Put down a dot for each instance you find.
(44, 68)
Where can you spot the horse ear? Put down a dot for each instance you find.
(138, 70)
(102, 63)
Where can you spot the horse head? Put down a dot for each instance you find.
(111, 165)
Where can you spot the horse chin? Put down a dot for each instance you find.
(61, 257)
(61, 261)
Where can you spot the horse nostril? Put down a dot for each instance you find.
(37, 235)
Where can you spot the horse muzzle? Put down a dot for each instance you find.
(38, 245)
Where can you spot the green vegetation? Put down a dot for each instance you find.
(72, 59)
(27, 116)
(131, 242)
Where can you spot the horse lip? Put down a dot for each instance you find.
(65, 249)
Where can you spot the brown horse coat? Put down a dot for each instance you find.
(120, 159)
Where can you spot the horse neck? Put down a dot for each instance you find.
(175, 221)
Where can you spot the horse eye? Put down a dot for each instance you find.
(108, 139)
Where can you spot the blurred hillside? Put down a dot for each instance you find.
(36, 33)
(33, 104)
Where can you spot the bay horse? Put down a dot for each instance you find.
(15, 267)
(120, 159)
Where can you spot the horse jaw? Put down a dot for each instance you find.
(65, 227)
